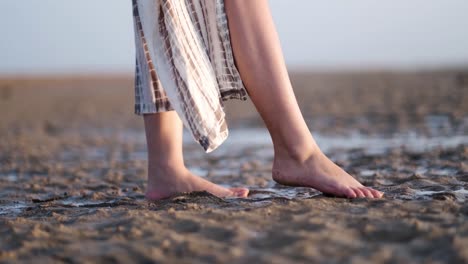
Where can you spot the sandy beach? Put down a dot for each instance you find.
(73, 170)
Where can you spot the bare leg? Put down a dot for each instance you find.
(167, 174)
(298, 160)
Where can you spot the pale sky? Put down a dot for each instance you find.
(46, 36)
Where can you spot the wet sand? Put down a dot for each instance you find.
(73, 169)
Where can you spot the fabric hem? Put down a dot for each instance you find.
(216, 142)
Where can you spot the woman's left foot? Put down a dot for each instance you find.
(319, 172)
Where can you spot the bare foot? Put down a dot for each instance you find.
(166, 183)
(319, 172)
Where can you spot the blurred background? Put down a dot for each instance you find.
(348, 60)
(51, 36)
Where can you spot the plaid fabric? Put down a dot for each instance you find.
(184, 62)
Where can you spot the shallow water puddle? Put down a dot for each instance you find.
(461, 194)
(257, 142)
(245, 160)
(10, 177)
(284, 192)
(367, 173)
(248, 137)
(12, 209)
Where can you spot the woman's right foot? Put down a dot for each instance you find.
(164, 183)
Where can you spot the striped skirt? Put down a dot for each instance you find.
(184, 62)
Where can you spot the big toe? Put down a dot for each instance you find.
(239, 192)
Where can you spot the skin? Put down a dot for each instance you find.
(167, 174)
(298, 161)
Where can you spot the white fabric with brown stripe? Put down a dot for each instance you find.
(185, 63)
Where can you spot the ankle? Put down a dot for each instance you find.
(296, 152)
(165, 162)
(164, 170)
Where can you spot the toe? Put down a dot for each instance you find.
(376, 193)
(367, 192)
(240, 192)
(359, 193)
